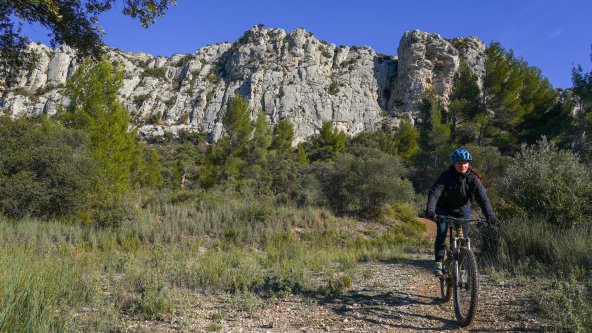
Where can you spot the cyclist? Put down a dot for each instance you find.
(451, 196)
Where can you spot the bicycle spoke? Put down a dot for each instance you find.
(466, 288)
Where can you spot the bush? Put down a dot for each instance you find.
(291, 181)
(544, 181)
(45, 169)
(363, 179)
(489, 162)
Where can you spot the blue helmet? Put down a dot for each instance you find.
(460, 155)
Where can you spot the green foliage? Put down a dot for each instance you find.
(384, 140)
(151, 170)
(401, 141)
(94, 108)
(181, 164)
(283, 137)
(582, 124)
(554, 123)
(363, 179)
(434, 142)
(489, 163)
(73, 23)
(294, 182)
(501, 88)
(257, 154)
(544, 181)
(45, 169)
(158, 73)
(226, 160)
(237, 123)
(407, 140)
(566, 306)
(327, 144)
(261, 141)
(512, 91)
(302, 157)
(464, 105)
(333, 88)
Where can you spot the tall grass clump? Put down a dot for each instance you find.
(40, 291)
(565, 306)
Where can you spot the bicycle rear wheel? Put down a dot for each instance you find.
(466, 288)
(446, 278)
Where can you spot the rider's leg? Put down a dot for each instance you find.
(466, 215)
(441, 228)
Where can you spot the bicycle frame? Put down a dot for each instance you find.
(459, 247)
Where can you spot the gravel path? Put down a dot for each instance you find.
(384, 297)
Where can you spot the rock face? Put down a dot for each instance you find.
(287, 75)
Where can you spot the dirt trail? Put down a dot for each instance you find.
(385, 297)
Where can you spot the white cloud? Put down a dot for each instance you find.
(556, 33)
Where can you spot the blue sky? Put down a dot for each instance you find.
(551, 35)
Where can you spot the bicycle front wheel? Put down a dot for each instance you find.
(466, 288)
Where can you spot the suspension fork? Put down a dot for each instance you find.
(457, 240)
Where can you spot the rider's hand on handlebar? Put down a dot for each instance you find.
(492, 220)
(430, 214)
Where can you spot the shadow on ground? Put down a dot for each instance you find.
(397, 309)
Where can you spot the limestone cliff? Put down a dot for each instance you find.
(288, 75)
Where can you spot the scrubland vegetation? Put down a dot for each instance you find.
(95, 225)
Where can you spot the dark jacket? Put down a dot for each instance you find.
(453, 192)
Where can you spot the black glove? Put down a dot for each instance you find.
(492, 220)
(430, 214)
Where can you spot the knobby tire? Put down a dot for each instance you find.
(469, 290)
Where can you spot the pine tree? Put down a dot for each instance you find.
(407, 140)
(500, 98)
(237, 123)
(283, 138)
(258, 154)
(434, 141)
(582, 125)
(302, 156)
(94, 108)
(464, 105)
(328, 143)
(226, 159)
(261, 141)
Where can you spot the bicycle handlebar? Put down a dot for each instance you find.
(459, 221)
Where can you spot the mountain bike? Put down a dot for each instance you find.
(460, 273)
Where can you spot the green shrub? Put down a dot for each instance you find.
(45, 169)
(333, 88)
(158, 73)
(363, 179)
(490, 163)
(546, 182)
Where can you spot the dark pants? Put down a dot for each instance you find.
(442, 227)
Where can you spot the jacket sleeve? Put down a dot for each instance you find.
(482, 199)
(435, 193)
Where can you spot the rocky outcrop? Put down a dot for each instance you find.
(427, 61)
(287, 75)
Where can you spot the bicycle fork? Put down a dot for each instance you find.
(457, 241)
